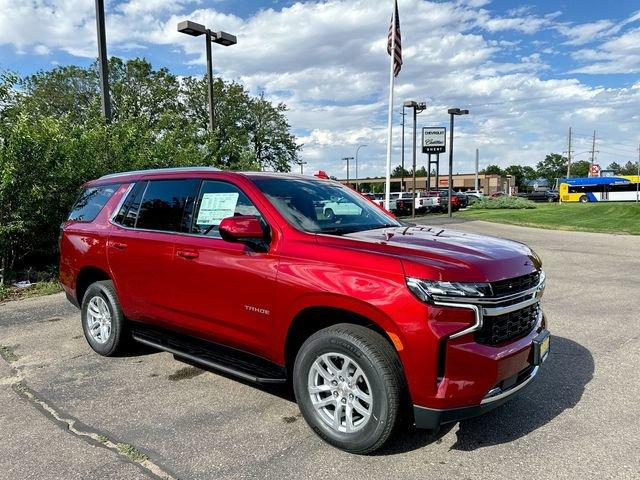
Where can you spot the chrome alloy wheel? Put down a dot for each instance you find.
(98, 319)
(340, 392)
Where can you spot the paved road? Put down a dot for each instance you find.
(580, 420)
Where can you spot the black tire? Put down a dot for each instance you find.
(329, 215)
(584, 199)
(381, 365)
(117, 337)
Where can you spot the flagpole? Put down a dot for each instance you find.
(387, 183)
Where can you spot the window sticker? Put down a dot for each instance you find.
(216, 206)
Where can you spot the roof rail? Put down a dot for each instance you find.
(160, 170)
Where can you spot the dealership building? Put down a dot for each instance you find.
(488, 184)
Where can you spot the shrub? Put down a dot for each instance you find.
(515, 203)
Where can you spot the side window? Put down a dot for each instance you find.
(167, 205)
(216, 201)
(91, 201)
(128, 213)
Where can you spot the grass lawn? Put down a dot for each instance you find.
(40, 288)
(590, 217)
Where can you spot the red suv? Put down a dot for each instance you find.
(376, 323)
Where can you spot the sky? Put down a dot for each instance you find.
(527, 71)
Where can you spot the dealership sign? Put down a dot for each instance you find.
(434, 139)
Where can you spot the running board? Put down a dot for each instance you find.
(218, 357)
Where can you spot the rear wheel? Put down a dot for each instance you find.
(102, 319)
(584, 199)
(350, 388)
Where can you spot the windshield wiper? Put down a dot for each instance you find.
(335, 230)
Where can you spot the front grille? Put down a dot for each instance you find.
(515, 285)
(510, 326)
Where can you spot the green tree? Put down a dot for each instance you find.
(553, 166)
(615, 167)
(580, 168)
(53, 139)
(630, 168)
(398, 172)
(492, 170)
(520, 173)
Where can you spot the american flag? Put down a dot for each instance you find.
(395, 30)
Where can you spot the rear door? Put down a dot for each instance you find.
(224, 291)
(141, 247)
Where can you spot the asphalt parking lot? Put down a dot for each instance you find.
(68, 413)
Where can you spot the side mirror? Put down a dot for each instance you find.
(242, 228)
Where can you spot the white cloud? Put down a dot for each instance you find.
(327, 61)
(618, 55)
(586, 32)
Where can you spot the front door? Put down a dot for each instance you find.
(223, 291)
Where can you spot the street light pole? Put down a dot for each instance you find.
(357, 150)
(402, 152)
(347, 160)
(207, 40)
(221, 38)
(417, 108)
(452, 112)
(103, 61)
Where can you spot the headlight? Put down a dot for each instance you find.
(425, 289)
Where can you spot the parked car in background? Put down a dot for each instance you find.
(423, 203)
(475, 193)
(378, 199)
(464, 199)
(374, 323)
(541, 195)
(440, 198)
(340, 206)
(498, 194)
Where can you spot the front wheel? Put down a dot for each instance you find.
(584, 199)
(350, 388)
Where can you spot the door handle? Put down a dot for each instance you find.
(189, 255)
(118, 245)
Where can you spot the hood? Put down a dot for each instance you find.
(435, 253)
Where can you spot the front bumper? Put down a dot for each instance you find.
(432, 418)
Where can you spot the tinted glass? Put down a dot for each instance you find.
(128, 213)
(322, 206)
(216, 201)
(167, 205)
(91, 201)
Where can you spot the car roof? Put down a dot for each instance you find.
(133, 175)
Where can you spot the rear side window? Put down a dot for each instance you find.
(167, 205)
(128, 213)
(91, 201)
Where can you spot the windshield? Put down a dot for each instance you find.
(322, 206)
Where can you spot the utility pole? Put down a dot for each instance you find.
(302, 163)
(593, 149)
(569, 156)
(475, 185)
(103, 61)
